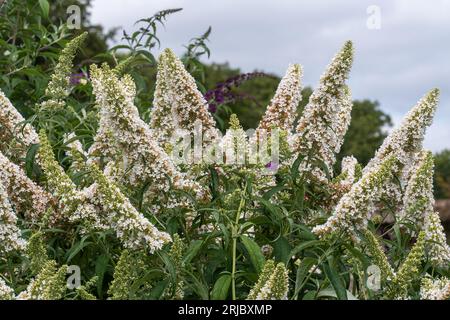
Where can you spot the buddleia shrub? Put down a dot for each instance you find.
(143, 210)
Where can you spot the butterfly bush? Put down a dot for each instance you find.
(230, 209)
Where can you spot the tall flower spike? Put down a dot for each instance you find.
(132, 228)
(15, 136)
(26, 196)
(49, 284)
(283, 107)
(10, 235)
(58, 182)
(234, 144)
(178, 103)
(408, 271)
(418, 200)
(129, 141)
(324, 120)
(273, 283)
(405, 141)
(58, 87)
(437, 247)
(418, 209)
(126, 271)
(435, 289)
(352, 212)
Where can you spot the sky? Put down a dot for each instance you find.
(402, 47)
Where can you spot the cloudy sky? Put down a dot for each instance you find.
(395, 64)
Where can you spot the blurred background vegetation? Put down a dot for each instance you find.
(32, 32)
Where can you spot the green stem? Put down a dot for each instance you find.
(235, 231)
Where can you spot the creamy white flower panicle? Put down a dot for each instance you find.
(10, 235)
(418, 209)
(343, 118)
(178, 103)
(283, 107)
(325, 119)
(437, 247)
(132, 228)
(162, 117)
(6, 293)
(75, 145)
(435, 289)
(234, 144)
(418, 199)
(353, 210)
(59, 86)
(406, 141)
(25, 195)
(348, 170)
(273, 283)
(58, 182)
(139, 154)
(15, 136)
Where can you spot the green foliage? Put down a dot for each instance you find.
(442, 174)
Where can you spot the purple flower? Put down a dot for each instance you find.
(223, 94)
(75, 78)
(272, 166)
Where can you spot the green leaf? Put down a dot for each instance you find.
(29, 160)
(282, 249)
(45, 7)
(335, 279)
(221, 288)
(101, 266)
(256, 256)
(302, 272)
(192, 251)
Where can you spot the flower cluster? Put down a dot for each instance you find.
(58, 87)
(58, 182)
(6, 293)
(325, 119)
(435, 289)
(437, 247)
(129, 143)
(26, 196)
(131, 227)
(353, 210)
(406, 141)
(418, 200)
(10, 235)
(49, 284)
(16, 135)
(273, 283)
(418, 209)
(409, 270)
(178, 104)
(283, 108)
